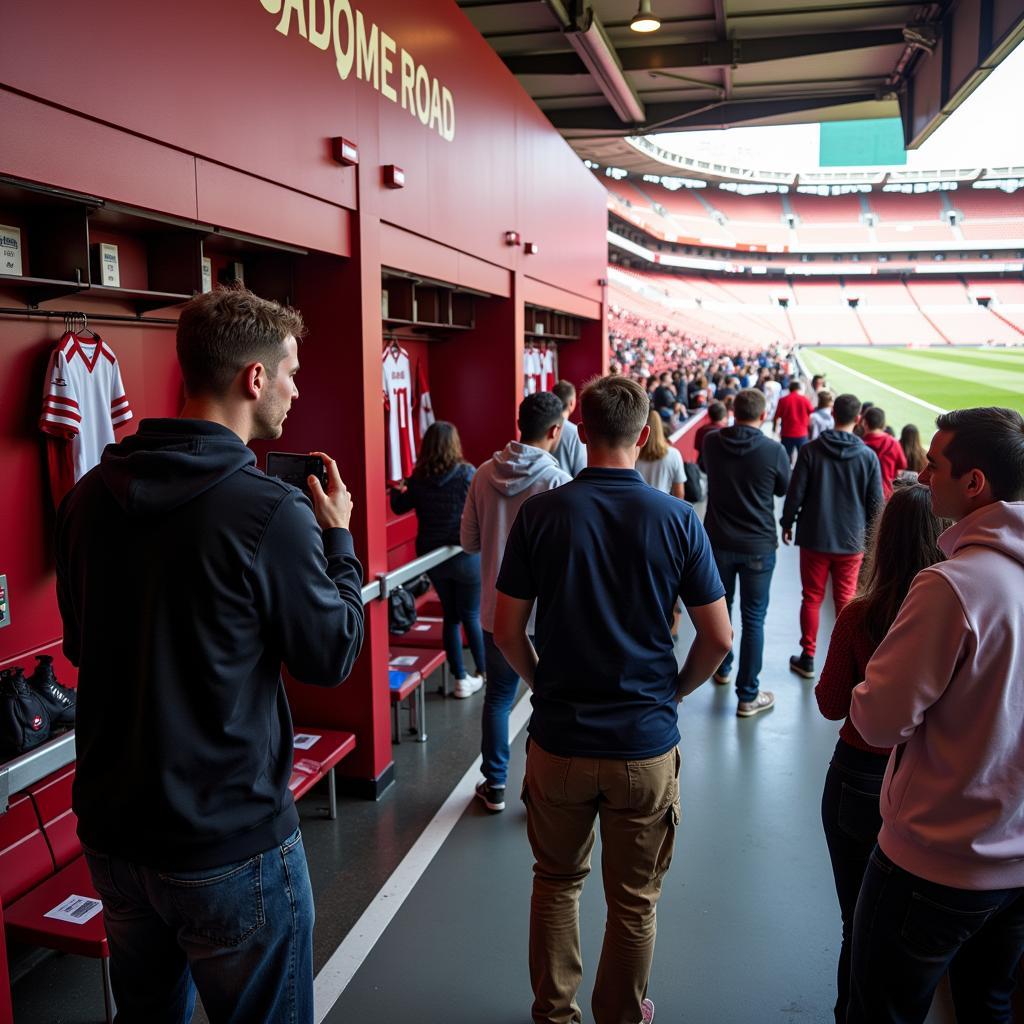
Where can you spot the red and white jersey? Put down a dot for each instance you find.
(547, 370)
(83, 399)
(426, 406)
(532, 369)
(398, 400)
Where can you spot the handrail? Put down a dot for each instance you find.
(30, 768)
(691, 422)
(390, 580)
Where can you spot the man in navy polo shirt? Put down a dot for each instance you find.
(605, 558)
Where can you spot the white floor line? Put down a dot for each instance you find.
(878, 383)
(339, 970)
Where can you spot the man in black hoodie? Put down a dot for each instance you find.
(835, 493)
(185, 578)
(746, 472)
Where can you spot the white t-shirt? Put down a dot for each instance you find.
(661, 475)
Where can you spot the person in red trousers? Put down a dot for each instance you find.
(834, 493)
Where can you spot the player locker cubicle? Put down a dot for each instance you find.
(318, 181)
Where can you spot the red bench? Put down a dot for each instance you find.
(407, 684)
(423, 661)
(316, 758)
(42, 867)
(426, 634)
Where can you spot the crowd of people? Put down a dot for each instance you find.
(578, 558)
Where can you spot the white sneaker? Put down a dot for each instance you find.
(468, 686)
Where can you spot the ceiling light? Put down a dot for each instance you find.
(644, 20)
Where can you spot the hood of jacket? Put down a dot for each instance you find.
(840, 444)
(518, 465)
(999, 526)
(169, 462)
(740, 439)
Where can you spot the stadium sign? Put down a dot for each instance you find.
(361, 46)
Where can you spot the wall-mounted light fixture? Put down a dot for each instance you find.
(644, 20)
(344, 152)
(512, 238)
(531, 248)
(394, 177)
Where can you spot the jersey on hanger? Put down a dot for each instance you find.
(83, 401)
(398, 401)
(423, 402)
(547, 370)
(532, 369)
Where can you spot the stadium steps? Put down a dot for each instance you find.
(1006, 321)
(863, 326)
(935, 327)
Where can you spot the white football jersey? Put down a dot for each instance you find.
(83, 399)
(398, 400)
(531, 369)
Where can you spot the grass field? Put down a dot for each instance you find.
(929, 380)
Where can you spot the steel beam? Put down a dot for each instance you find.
(723, 53)
(698, 114)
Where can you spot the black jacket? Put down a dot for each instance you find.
(836, 491)
(746, 472)
(185, 578)
(438, 502)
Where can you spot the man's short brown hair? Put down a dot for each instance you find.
(614, 411)
(227, 329)
(749, 405)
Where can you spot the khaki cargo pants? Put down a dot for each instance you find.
(637, 805)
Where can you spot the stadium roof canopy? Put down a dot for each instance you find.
(729, 63)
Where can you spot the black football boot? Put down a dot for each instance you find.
(58, 700)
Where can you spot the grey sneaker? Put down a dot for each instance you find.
(722, 678)
(492, 796)
(646, 1011)
(762, 702)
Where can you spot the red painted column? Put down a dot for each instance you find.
(340, 411)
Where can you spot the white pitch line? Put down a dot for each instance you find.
(878, 383)
(341, 968)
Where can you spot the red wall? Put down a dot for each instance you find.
(206, 112)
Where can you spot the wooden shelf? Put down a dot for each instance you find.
(144, 301)
(41, 289)
(546, 336)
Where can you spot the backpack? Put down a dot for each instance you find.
(24, 720)
(401, 611)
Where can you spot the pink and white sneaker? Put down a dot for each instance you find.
(646, 1011)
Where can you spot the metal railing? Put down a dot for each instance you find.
(30, 768)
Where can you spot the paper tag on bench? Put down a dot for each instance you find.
(420, 629)
(403, 661)
(303, 740)
(75, 910)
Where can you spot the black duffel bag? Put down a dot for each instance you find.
(401, 611)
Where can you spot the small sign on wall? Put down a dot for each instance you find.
(207, 274)
(107, 266)
(10, 251)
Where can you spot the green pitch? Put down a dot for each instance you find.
(948, 378)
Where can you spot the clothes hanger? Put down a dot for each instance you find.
(85, 332)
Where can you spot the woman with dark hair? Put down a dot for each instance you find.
(437, 492)
(904, 541)
(910, 442)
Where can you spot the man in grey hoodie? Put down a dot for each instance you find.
(571, 452)
(520, 470)
(944, 887)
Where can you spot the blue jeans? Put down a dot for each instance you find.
(755, 576)
(457, 583)
(793, 445)
(851, 819)
(908, 931)
(499, 696)
(242, 934)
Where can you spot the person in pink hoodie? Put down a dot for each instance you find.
(890, 455)
(944, 888)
